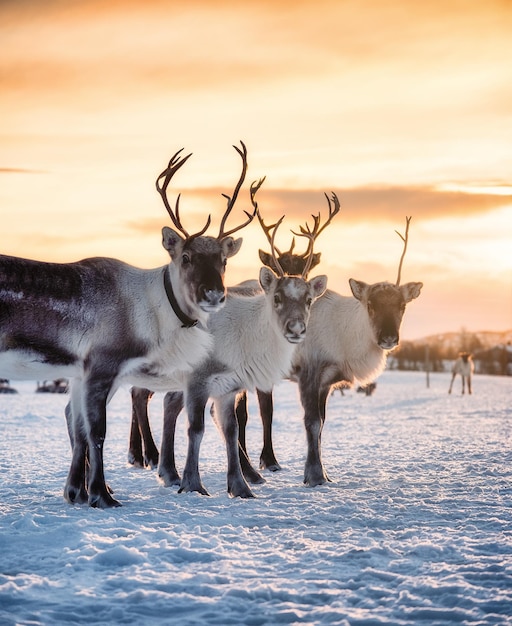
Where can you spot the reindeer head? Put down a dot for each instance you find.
(385, 303)
(465, 356)
(199, 260)
(291, 263)
(290, 297)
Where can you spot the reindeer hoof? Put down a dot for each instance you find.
(273, 467)
(151, 462)
(270, 463)
(315, 476)
(103, 501)
(238, 488)
(188, 485)
(135, 460)
(75, 495)
(169, 479)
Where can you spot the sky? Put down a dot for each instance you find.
(401, 108)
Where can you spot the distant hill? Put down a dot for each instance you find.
(466, 340)
(491, 350)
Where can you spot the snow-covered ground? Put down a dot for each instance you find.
(416, 527)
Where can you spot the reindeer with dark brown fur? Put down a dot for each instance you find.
(102, 323)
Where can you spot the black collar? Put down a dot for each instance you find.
(187, 322)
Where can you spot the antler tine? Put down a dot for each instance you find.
(334, 209)
(273, 249)
(313, 233)
(232, 199)
(271, 239)
(405, 240)
(266, 229)
(174, 165)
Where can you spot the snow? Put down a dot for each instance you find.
(416, 527)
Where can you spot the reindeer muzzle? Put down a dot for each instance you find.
(295, 331)
(212, 300)
(388, 342)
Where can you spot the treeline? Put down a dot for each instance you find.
(438, 357)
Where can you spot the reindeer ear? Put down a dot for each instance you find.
(319, 285)
(359, 288)
(267, 279)
(265, 258)
(316, 260)
(410, 291)
(231, 246)
(172, 241)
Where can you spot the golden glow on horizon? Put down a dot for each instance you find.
(401, 108)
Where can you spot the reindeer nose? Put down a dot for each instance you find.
(213, 298)
(295, 330)
(388, 342)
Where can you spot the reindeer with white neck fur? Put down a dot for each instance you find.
(102, 323)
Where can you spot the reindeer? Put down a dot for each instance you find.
(465, 367)
(102, 323)
(348, 339)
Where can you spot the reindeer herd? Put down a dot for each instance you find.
(103, 323)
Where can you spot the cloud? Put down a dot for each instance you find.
(375, 203)
(20, 170)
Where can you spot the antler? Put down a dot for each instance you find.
(405, 240)
(313, 233)
(174, 165)
(270, 237)
(232, 200)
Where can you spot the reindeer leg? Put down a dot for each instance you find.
(312, 399)
(242, 418)
(451, 383)
(97, 387)
(167, 472)
(250, 473)
(226, 418)
(469, 385)
(197, 398)
(135, 455)
(75, 491)
(140, 421)
(267, 458)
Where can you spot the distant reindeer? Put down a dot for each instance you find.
(348, 339)
(102, 323)
(465, 367)
(367, 389)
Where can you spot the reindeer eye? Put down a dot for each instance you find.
(185, 259)
(309, 301)
(277, 299)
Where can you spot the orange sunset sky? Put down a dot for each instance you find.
(400, 107)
